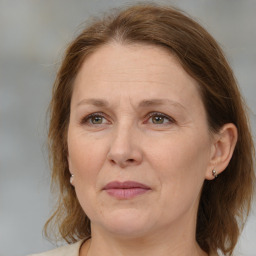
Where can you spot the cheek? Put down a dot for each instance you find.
(180, 151)
(86, 156)
(181, 165)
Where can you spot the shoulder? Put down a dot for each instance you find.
(67, 250)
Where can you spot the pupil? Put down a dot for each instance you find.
(97, 120)
(158, 120)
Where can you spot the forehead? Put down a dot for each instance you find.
(137, 71)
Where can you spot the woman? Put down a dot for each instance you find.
(150, 144)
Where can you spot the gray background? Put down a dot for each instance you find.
(33, 35)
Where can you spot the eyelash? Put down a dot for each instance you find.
(86, 120)
(152, 114)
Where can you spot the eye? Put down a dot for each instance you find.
(94, 119)
(160, 118)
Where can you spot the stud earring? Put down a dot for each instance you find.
(214, 174)
(71, 179)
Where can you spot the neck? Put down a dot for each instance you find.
(145, 248)
(162, 243)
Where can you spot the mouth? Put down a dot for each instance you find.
(125, 190)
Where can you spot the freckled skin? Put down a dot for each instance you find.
(172, 157)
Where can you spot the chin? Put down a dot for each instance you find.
(126, 223)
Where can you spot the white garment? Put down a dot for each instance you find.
(67, 250)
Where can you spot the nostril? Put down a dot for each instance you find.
(130, 160)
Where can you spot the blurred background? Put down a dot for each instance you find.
(33, 36)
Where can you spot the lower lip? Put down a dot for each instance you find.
(126, 193)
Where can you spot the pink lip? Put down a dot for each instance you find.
(125, 190)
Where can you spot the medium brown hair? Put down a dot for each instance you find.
(226, 201)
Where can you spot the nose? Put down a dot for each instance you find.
(125, 149)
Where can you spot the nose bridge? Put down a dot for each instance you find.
(122, 142)
(124, 147)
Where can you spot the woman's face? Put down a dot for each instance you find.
(138, 141)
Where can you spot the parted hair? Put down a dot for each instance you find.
(226, 201)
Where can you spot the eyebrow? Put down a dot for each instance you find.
(94, 102)
(143, 104)
(159, 102)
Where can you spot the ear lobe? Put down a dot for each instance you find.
(223, 148)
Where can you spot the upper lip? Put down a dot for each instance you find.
(125, 185)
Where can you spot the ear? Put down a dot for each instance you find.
(224, 143)
(70, 171)
(69, 163)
